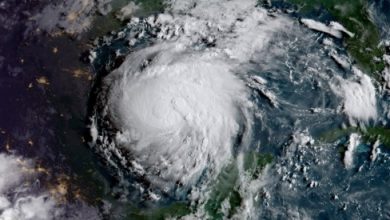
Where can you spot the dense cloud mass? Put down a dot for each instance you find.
(179, 117)
(24, 197)
(199, 109)
(73, 17)
(15, 200)
(359, 96)
(181, 109)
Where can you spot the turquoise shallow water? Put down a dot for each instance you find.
(304, 179)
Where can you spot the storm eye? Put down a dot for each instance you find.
(179, 116)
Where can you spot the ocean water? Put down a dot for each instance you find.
(298, 120)
(305, 157)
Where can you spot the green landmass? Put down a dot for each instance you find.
(226, 186)
(151, 6)
(353, 15)
(369, 134)
(379, 133)
(105, 24)
(254, 163)
(363, 48)
(335, 134)
(224, 189)
(147, 7)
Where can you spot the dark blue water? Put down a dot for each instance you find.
(293, 76)
(304, 180)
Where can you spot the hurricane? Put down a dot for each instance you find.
(185, 99)
(179, 116)
(182, 109)
(194, 109)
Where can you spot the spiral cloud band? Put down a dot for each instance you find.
(182, 107)
(178, 116)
